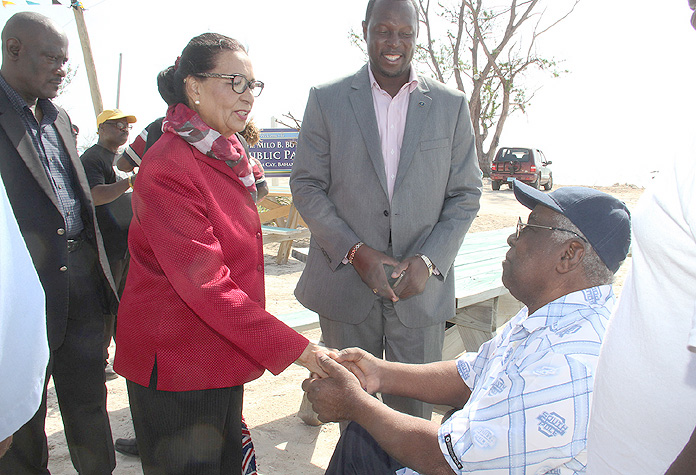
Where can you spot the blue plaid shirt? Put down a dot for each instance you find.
(54, 157)
(531, 391)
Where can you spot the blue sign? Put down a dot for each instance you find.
(276, 151)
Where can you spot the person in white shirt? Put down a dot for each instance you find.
(23, 338)
(525, 396)
(643, 415)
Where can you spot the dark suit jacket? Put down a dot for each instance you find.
(35, 206)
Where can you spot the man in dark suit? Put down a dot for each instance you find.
(385, 175)
(50, 197)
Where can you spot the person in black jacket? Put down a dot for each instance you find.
(50, 197)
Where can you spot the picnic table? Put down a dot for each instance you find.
(286, 219)
(478, 293)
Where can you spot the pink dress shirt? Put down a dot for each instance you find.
(391, 121)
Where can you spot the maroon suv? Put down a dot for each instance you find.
(524, 164)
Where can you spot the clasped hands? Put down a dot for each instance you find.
(369, 264)
(345, 384)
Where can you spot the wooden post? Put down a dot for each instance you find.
(89, 60)
(118, 86)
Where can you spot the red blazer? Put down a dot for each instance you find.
(194, 297)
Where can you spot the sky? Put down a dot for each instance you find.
(625, 106)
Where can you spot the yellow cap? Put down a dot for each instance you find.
(113, 114)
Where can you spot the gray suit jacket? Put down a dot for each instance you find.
(339, 186)
(35, 206)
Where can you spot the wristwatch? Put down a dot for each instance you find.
(428, 263)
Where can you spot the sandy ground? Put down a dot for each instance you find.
(284, 444)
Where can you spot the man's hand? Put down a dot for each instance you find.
(415, 276)
(363, 365)
(337, 397)
(369, 264)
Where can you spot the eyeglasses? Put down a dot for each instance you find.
(239, 82)
(119, 125)
(521, 226)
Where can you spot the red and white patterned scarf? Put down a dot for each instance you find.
(188, 125)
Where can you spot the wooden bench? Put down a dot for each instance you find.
(478, 292)
(300, 320)
(276, 234)
(286, 218)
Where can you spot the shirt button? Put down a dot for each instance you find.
(60, 231)
(64, 268)
(392, 152)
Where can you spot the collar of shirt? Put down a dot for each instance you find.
(559, 313)
(50, 112)
(411, 85)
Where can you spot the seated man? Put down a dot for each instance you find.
(525, 396)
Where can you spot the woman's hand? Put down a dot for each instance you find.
(308, 358)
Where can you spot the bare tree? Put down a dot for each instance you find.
(70, 72)
(487, 47)
(297, 122)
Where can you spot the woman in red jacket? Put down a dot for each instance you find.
(192, 328)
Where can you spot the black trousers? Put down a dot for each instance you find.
(77, 369)
(358, 453)
(187, 432)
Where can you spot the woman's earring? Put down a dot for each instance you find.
(197, 102)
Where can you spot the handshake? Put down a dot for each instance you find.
(341, 381)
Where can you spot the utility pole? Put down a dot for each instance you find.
(118, 86)
(89, 59)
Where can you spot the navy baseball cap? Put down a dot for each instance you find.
(602, 219)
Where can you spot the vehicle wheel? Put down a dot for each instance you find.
(536, 183)
(495, 184)
(549, 185)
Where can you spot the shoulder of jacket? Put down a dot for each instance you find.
(343, 82)
(171, 148)
(440, 88)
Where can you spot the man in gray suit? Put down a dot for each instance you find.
(386, 178)
(48, 190)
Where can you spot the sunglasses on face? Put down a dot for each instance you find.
(120, 125)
